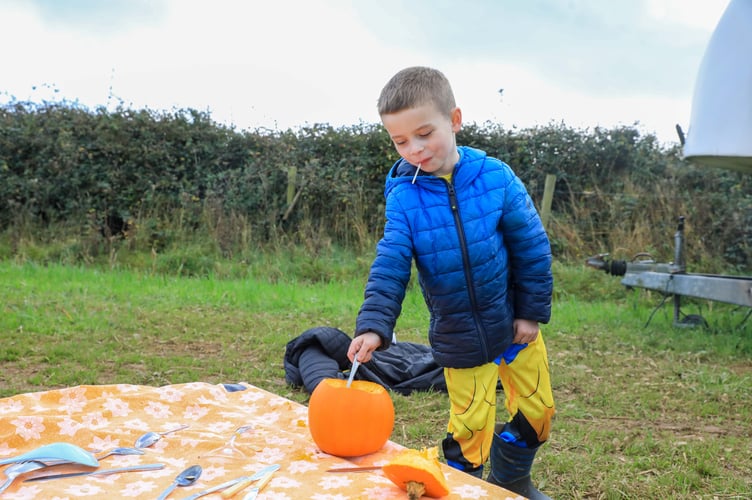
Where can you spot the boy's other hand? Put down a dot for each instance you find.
(525, 331)
(363, 345)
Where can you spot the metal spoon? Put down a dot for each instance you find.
(56, 453)
(15, 470)
(98, 472)
(185, 478)
(123, 450)
(150, 438)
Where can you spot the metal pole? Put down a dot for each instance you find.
(679, 264)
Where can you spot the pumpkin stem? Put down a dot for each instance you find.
(415, 490)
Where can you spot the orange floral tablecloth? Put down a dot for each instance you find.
(107, 416)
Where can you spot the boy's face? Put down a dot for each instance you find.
(424, 136)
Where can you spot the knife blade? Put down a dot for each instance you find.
(101, 472)
(355, 468)
(261, 473)
(253, 493)
(214, 489)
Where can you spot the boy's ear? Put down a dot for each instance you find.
(456, 116)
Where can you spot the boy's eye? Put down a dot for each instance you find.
(426, 134)
(400, 143)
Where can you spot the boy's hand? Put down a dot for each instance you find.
(363, 345)
(525, 331)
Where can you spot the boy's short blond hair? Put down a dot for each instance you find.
(416, 86)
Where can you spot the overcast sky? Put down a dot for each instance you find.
(285, 63)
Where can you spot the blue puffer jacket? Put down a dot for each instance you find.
(482, 255)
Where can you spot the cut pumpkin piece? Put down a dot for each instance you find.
(418, 472)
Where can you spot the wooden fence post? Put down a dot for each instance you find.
(548, 197)
(292, 179)
(292, 196)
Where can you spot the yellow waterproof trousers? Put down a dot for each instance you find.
(523, 370)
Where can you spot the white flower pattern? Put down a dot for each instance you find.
(10, 407)
(69, 427)
(84, 490)
(29, 427)
(95, 421)
(74, 399)
(102, 417)
(158, 410)
(195, 412)
(23, 493)
(117, 407)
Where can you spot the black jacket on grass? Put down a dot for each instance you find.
(321, 352)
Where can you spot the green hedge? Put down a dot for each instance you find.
(99, 170)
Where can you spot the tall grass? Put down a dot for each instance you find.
(200, 238)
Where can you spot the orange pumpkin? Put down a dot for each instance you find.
(418, 473)
(350, 421)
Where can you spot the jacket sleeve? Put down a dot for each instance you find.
(388, 278)
(531, 279)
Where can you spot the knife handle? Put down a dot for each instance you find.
(245, 481)
(213, 489)
(236, 487)
(132, 468)
(255, 490)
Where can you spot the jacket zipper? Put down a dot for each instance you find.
(466, 265)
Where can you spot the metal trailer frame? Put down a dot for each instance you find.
(672, 281)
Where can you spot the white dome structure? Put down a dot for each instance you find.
(720, 128)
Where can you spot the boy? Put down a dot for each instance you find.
(484, 267)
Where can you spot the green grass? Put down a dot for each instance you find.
(642, 411)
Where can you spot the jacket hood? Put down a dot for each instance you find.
(402, 172)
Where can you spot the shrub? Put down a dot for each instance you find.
(159, 178)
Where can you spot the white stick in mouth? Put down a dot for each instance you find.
(416, 173)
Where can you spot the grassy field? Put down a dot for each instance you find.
(643, 411)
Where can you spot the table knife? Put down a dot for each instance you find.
(233, 482)
(355, 468)
(101, 472)
(244, 482)
(253, 493)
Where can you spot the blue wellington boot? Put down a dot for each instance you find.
(510, 468)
